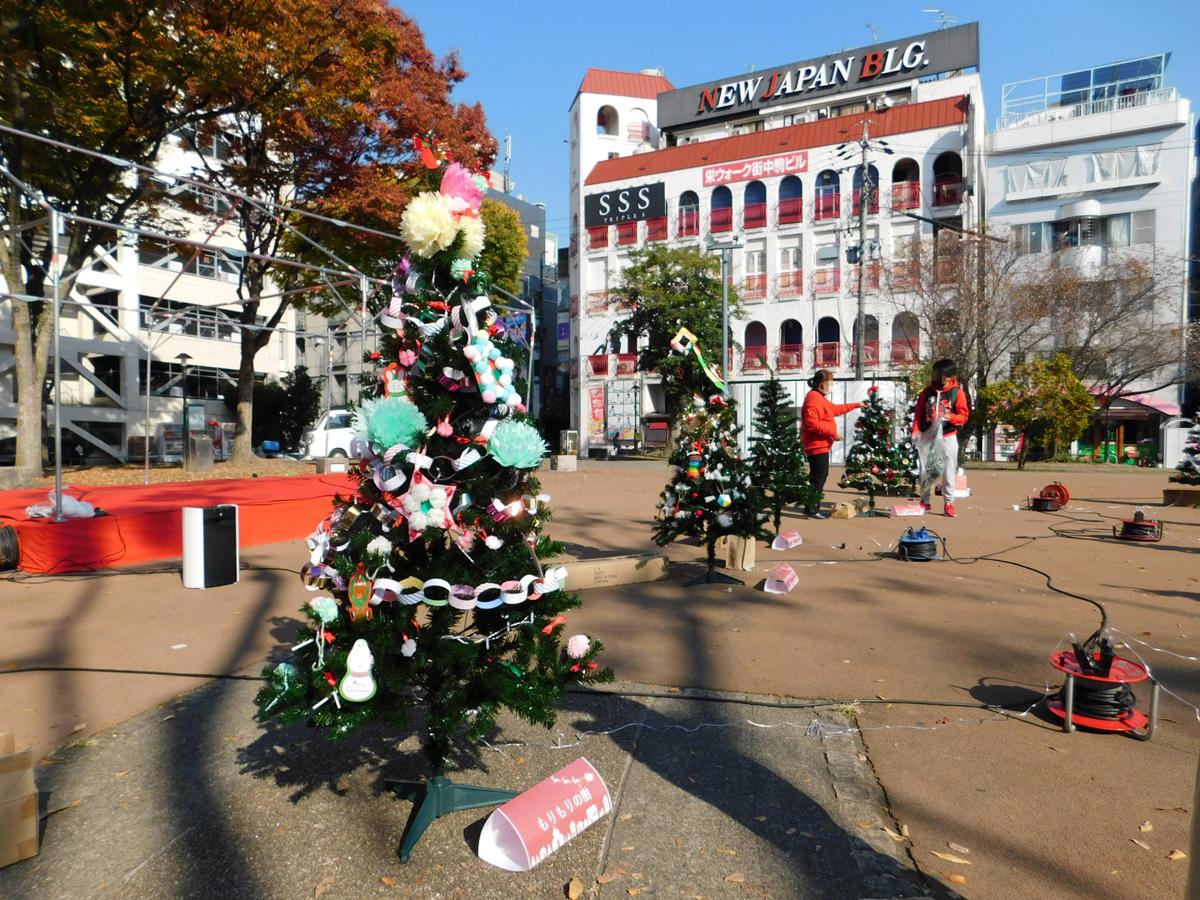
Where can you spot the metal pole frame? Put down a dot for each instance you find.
(55, 286)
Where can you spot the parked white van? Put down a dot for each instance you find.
(329, 437)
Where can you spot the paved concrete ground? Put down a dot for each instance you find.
(193, 800)
(1044, 814)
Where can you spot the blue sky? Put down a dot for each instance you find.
(526, 59)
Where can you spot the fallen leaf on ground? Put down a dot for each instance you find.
(611, 874)
(904, 830)
(1058, 749)
(677, 843)
(958, 848)
(342, 784)
(78, 728)
(633, 892)
(167, 718)
(1141, 844)
(950, 857)
(790, 831)
(957, 879)
(1145, 826)
(892, 834)
(574, 889)
(760, 818)
(725, 851)
(736, 878)
(121, 774)
(625, 817)
(323, 885)
(1182, 809)
(1176, 855)
(390, 882)
(627, 849)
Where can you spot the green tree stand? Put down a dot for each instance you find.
(435, 798)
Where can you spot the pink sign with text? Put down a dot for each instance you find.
(528, 828)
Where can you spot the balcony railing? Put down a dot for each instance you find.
(721, 220)
(597, 237)
(598, 365)
(872, 207)
(906, 351)
(906, 273)
(754, 359)
(827, 355)
(827, 280)
(827, 205)
(946, 269)
(755, 215)
(1091, 108)
(656, 229)
(870, 353)
(597, 302)
(906, 195)
(872, 277)
(947, 190)
(627, 233)
(689, 221)
(791, 284)
(791, 211)
(790, 357)
(626, 364)
(754, 287)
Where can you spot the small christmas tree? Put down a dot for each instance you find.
(875, 463)
(778, 465)
(1188, 470)
(712, 494)
(428, 586)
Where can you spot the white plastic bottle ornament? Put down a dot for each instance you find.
(358, 684)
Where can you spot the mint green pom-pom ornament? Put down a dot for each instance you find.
(517, 444)
(389, 421)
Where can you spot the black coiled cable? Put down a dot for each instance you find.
(917, 551)
(1140, 530)
(1100, 700)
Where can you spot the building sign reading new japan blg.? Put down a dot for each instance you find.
(630, 204)
(926, 54)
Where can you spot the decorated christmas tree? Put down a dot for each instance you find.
(712, 494)
(778, 465)
(426, 580)
(875, 463)
(1188, 470)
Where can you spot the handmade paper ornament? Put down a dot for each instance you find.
(324, 608)
(358, 685)
(490, 366)
(358, 594)
(517, 444)
(393, 380)
(578, 646)
(723, 500)
(408, 647)
(694, 467)
(389, 422)
(426, 504)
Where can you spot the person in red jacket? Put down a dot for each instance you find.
(944, 400)
(818, 431)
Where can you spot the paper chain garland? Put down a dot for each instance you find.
(411, 591)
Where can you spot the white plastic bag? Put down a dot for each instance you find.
(931, 450)
(71, 508)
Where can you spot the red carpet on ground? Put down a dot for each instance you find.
(144, 523)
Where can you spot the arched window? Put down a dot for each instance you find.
(791, 345)
(754, 353)
(871, 345)
(607, 121)
(947, 179)
(754, 205)
(906, 340)
(827, 353)
(873, 178)
(906, 185)
(689, 214)
(722, 210)
(827, 204)
(791, 200)
(637, 126)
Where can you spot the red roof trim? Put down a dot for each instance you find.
(624, 84)
(897, 120)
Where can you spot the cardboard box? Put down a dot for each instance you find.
(607, 571)
(18, 803)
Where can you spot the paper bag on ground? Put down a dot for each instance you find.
(738, 552)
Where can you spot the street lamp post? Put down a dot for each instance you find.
(183, 362)
(726, 247)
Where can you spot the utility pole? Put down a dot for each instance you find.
(726, 248)
(864, 196)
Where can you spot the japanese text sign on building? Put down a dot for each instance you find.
(525, 830)
(761, 167)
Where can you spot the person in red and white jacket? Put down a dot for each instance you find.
(818, 431)
(946, 400)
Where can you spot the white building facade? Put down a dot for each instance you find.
(139, 297)
(1093, 166)
(763, 157)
